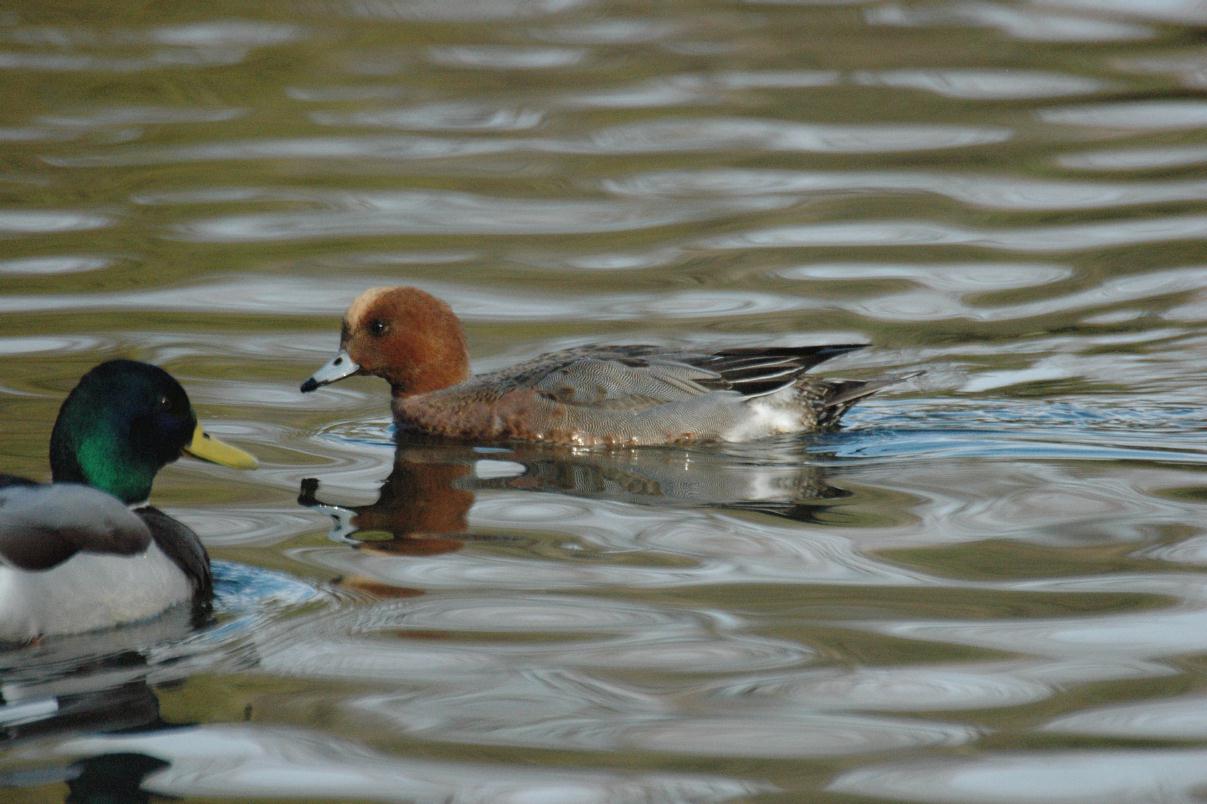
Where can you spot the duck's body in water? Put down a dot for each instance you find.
(74, 555)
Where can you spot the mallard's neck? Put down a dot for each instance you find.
(104, 467)
(86, 447)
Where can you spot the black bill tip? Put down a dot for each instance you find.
(309, 385)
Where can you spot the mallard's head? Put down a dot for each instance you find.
(124, 422)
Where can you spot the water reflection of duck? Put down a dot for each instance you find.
(598, 395)
(96, 777)
(92, 685)
(425, 501)
(424, 504)
(73, 557)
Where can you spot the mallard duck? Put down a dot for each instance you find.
(630, 395)
(74, 554)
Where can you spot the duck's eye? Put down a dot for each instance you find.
(165, 403)
(378, 327)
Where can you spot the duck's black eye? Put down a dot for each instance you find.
(378, 327)
(170, 404)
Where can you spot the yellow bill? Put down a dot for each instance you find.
(208, 448)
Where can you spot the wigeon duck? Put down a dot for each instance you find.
(589, 396)
(73, 556)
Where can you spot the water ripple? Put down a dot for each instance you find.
(946, 291)
(10, 134)
(81, 63)
(30, 221)
(58, 345)
(764, 79)
(771, 735)
(993, 192)
(699, 89)
(227, 33)
(438, 117)
(957, 278)
(321, 648)
(1182, 718)
(1057, 238)
(678, 655)
(658, 93)
(985, 84)
(1020, 22)
(909, 689)
(1160, 634)
(262, 295)
(724, 134)
(233, 526)
(461, 11)
(141, 115)
(1189, 69)
(611, 31)
(394, 147)
(1155, 115)
(249, 761)
(654, 137)
(1191, 12)
(358, 214)
(505, 57)
(1106, 774)
(547, 615)
(1164, 158)
(66, 264)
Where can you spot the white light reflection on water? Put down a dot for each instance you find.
(1020, 22)
(250, 762)
(370, 215)
(1057, 238)
(991, 192)
(1057, 776)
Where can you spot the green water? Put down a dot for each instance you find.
(988, 587)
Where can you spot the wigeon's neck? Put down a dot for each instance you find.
(431, 376)
(436, 357)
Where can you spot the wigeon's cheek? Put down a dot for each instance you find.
(369, 359)
(358, 352)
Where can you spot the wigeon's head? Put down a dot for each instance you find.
(404, 335)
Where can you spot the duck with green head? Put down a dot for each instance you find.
(83, 552)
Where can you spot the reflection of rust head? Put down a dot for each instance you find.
(419, 498)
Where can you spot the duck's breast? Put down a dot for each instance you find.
(88, 591)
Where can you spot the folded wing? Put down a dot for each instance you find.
(42, 526)
(642, 376)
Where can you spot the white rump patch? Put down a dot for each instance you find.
(764, 417)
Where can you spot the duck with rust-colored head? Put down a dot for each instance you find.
(633, 395)
(74, 555)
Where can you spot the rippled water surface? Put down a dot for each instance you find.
(990, 586)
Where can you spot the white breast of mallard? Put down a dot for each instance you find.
(88, 591)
